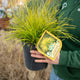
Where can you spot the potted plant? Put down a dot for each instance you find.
(29, 23)
(4, 18)
(4, 21)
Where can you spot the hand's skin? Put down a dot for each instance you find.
(42, 58)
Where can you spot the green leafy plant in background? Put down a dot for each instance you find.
(32, 19)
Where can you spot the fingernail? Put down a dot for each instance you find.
(31, 54)
(35, 47)
(31, 51)
(35, 60)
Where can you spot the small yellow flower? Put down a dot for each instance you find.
(45, 43)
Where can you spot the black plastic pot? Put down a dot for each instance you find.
(29, 61)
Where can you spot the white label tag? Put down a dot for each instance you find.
(64, 5)
(78, 9)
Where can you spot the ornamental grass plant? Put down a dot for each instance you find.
(29, 22)
(33, 18)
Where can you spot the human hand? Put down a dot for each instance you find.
(42, 58)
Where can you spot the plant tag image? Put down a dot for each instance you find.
(49, 45)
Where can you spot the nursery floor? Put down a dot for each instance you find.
(11, 68)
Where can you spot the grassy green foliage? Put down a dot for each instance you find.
(36, 16)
